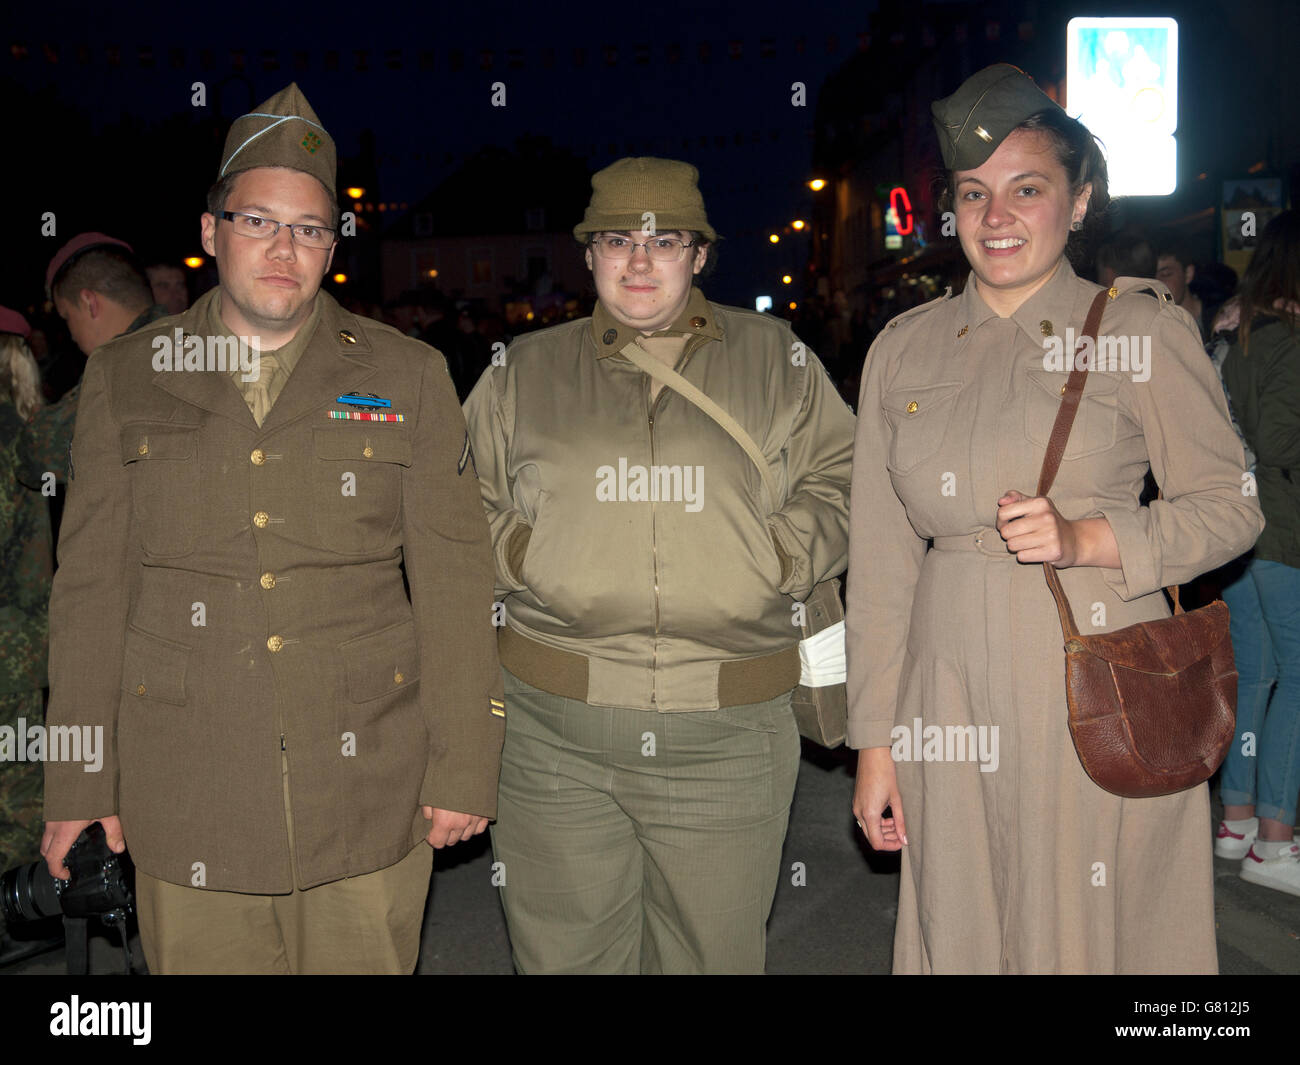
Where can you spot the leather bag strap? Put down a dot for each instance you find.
(1056, 447)
(665, 375)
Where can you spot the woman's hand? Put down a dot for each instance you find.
(1035, 532)
(875, 788)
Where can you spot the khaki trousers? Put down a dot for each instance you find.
(363, 924)
(634, 841)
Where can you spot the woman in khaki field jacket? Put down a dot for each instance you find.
(641, 565)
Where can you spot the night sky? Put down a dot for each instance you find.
(635, 100)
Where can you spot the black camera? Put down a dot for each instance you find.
(98, 885)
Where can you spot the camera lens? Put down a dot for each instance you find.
(28, 893)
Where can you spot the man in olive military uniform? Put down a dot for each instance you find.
(101, 293)
(285, 727)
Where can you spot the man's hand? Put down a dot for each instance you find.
(450, 827)
(61, 835)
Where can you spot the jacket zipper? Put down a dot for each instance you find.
(654, 541)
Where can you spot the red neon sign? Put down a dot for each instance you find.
(897, 194)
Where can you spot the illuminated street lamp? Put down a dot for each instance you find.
(340, 278)
(194, 261)
(774, 238)
(798, 223)
(786, 279)
(817, 184)
(355, 192)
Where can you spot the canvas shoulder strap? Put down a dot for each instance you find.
(669, 377)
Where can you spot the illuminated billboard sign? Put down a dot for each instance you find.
(1122, 83)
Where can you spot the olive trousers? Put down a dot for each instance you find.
(367, 924)
(629, 841)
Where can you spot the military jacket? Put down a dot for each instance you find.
(232, 607)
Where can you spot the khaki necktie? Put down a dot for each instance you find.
(258, 394)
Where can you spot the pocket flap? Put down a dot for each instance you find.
(382, 662)
(381, 444)
(922, 399)
(157, 440)
(154, 668)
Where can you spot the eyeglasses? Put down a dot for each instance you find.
(660, 249)
(259, 228)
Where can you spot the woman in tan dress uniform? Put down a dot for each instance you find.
(1013, 859)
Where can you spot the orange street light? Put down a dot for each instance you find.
(786, 279)
(355, 192)
(798, 223)
(774, 239)
(792, 305)
(340, 278)
(817, 184)
(194, 261)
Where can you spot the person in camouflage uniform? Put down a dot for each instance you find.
(99, 289)
(26, 568)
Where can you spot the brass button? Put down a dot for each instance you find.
(979, 540)
(610, 336)
(698, 323)
(139, 689)
(261, 518)
(274, 643)
(143, 449)
(963, 331)
(911, 407)
(267, 580)
(1112, 293)
(347, 337)
(257, 457)
(1063, 390)
(368, 451)
(1045, 327)
(983, 134)
(398, 678)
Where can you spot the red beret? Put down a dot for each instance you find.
(13, 322)
(81, 242)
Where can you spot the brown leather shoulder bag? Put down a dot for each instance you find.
(1152, 706)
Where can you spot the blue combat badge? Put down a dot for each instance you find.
(365, 408)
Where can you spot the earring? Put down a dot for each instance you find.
(1076, 225)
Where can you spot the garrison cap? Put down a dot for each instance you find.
(974, 120)
(13, 322)
(625, 190)
(283, 131)
(67, 254)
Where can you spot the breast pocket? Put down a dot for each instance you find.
(918, 418)
(1093, 430)
(163, 460)
(357, 485)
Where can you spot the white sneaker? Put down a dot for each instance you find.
(1230, 844)
(1281, 873)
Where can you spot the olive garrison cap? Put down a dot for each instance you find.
(283, 131)
(974, 120)
(624, 191)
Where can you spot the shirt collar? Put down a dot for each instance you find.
(287, 354)
(1048, 312)
(611, 336)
